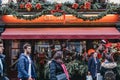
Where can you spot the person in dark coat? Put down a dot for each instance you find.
(93, 66)
(109, 70)
(55, 65)
(26, 67)
(109, 66)
(2, 63)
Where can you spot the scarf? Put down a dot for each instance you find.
(65, 71)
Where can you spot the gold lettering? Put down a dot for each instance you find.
(59, 18)
(51, 18)
(71, 19)
(48, 18)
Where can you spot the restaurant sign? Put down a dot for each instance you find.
(65, 19)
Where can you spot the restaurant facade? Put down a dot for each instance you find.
(44, 31)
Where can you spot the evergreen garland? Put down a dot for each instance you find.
(48, 7)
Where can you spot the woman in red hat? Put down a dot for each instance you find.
(93, 66)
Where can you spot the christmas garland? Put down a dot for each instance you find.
(56, 10)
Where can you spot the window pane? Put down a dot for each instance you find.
(15, 44)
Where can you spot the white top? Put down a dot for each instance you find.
(29, 69)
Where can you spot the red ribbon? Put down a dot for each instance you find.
(57, 9)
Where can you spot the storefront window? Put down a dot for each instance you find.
(15, 51)
(45, 47)
(40, 46)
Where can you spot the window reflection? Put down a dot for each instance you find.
(15, 51)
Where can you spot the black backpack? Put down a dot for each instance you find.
(110, 75)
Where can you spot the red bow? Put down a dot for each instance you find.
(58, 9)
(87, 5)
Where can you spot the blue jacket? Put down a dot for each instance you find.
(92, 66)
(23, 65)
(2, 57)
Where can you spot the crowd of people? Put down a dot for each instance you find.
(103, 61)
(100, 61)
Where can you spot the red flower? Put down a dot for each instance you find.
(99, 56)
(87, 5)
(118, 45)
(38, 6)
(108, 45)
(75, 5)
(22, 6)
(28, 5)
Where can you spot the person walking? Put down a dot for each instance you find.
(93, 66)
(2, 63)
(58, 69)
(26, 67)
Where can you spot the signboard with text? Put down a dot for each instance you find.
(67, 19)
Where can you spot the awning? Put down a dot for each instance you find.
(61, 33)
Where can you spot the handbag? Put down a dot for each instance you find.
(65, 71)
(89, 77)
(61, 76)
(99, 76)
